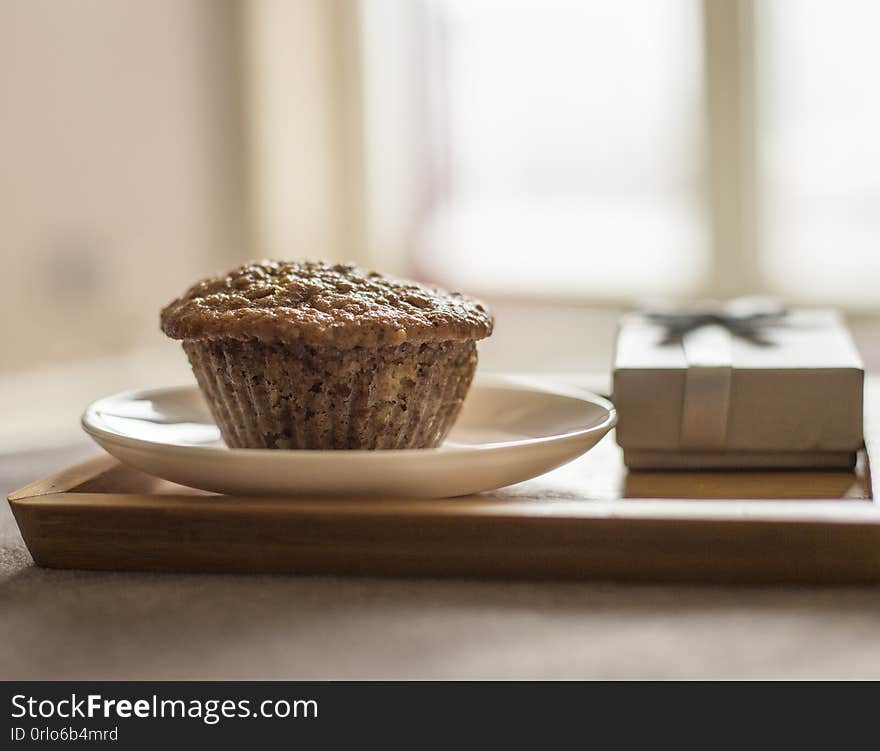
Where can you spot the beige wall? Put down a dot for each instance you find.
(302, 100)
(120, 168)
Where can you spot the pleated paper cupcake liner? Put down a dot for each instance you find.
(284, 396)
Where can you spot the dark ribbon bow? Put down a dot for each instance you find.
(746, 318)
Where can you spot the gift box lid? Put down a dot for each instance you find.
(798, 387)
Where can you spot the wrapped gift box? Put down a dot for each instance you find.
(710, 392)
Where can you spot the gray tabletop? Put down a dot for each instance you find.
(90, 625)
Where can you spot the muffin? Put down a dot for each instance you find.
(309, 355)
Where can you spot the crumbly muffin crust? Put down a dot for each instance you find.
(319, 304)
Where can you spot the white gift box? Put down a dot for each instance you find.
(712, 398)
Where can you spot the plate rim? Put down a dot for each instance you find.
(513, 382)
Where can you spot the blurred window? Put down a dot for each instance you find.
(819, 148)
(570, 145)
(677, 147)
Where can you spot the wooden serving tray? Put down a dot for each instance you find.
(590, 519)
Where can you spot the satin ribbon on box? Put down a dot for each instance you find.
(706, 337)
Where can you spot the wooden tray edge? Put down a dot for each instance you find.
(65, 479)
(611, 548)
(621, 540)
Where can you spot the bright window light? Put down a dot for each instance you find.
(819, 148)
(571, 145)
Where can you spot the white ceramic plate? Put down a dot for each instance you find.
(507, 432)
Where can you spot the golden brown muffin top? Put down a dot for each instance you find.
(316, 303)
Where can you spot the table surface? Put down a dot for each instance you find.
(95, 625)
